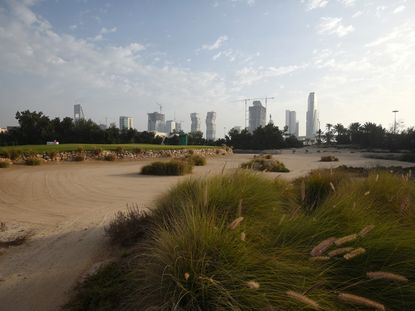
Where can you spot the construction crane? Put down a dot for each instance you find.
(245, 101)
(159, 106)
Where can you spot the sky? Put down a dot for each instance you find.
(128, 57)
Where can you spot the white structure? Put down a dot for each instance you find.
(3, 130)
(257, 115)
(156, 122)
(211, 125)
(78, 113)
(170, 126)
(195, 127)
(126, 123)
(312, 117)
(291, 122)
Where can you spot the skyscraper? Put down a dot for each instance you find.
(211, 125)
(195, 126)
(312, 117)
(126, 123)
(78, 113)
(156, 122)
(291, 122)
(257, 115)
(170, 126)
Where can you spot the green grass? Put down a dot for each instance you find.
(171, 168)
(92, 147)
(195, 257)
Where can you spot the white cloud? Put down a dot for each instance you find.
(104, 31)
(315, 4)
(399, 9)
(348, 3)
(215, 45)
(333, 25)
(357, 14)
(250, 75)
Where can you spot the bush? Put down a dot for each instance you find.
(239, 241)
(110, 157)
(171, 168)
(119, 150)
(137, 150)
(128, 227)
(52, 155)
(33, 161)
(329, 158)
(265, 164)
(97, 151)
(197, 160)
(79, 158)
(4, 164)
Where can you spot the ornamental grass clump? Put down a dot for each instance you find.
(197, 160)
(171, 168)
(32, 161)
(4, 164)
(265, 164)
(241, 241)
(329, 158)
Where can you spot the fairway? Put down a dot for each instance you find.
(86, 147)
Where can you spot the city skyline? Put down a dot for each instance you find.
(116, 59)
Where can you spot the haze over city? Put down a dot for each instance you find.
(123, 58)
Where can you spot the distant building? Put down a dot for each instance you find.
(179, 127)
(211, 125)
(156, 122)
(170, 126)
(78, 113)
(126, 123)
(312, 117)
(195, 127)
(257, 115)
(291, 122)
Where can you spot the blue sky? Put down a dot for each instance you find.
(122, 57)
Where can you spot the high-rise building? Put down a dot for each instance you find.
(156, 122)
(312, 117)
(257, 115)
(211, 125)
(78, 113)
(126, 123)
(170, 126)
(178, 127)
(195, 127)
(291, 122)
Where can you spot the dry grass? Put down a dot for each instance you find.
(329, 158)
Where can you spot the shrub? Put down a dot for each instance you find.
(79, 158)
(329, 158)
(80, 150)
(197, 160)
(4, 164)
(191, 151)
(97, 152)
(171, 168)
(128, 227)
(268, 156)
(110, 157)
(119, 150)
(33, 161)
(52, 155)
(137, 150)
(265, 164)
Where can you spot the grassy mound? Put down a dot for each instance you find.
(240, 241)
(171, 168)
(329, 158)
(33, 161)
(265, 163)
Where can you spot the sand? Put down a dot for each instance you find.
(66, 206)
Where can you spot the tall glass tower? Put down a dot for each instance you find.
(312, 117)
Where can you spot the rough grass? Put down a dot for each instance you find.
(91, 147)
(33, 161)
(329, 158)
(110, 157)
(171, 168)
(128, 227)
(197, 160)
(240, 241)
(265, 163)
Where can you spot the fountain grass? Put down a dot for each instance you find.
(195, 258)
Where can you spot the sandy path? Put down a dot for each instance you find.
(67, 205)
